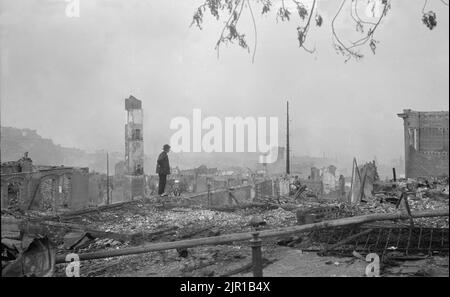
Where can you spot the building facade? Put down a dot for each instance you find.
(426, 143)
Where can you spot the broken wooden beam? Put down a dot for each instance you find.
(30, 226)
(41, 227)
(223, 239)
(74, 213)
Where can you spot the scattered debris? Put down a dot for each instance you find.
(144, 221)
(37, 259)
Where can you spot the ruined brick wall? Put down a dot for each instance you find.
(50, 200)
(426, 143)
(57, 189)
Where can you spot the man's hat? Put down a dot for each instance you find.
(166, 146)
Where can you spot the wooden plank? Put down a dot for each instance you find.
(31, 226)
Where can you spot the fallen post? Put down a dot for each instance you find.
(31, 226)
(247, 236)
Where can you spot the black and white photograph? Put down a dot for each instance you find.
(224, 146)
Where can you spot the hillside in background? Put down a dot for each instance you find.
(14, 142)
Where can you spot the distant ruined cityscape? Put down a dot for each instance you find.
(43, 183)
(132, 176)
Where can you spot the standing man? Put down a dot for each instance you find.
(342, 187)
(163, 169)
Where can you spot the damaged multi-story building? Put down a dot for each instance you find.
(134, 149)
(426, 143)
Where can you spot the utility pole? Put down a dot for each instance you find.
(107, 179)
(288, 161)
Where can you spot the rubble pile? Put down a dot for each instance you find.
(157, 220)
(147, 217)
(422, 195)
(186, 219)
(183, 222)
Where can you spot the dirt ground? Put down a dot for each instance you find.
(224, 260)
(295, 263)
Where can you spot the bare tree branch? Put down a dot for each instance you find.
(233, 10)
(348, 50)
(256, 33)
(303, 31)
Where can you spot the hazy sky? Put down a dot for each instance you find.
(68, 77)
